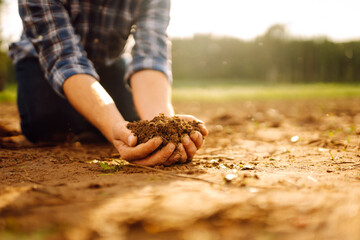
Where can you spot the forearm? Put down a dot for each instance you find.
(91, 100)
(152, 94)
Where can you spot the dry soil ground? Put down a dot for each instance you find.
(295, 166)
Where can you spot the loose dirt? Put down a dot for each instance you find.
(170, 129)
(273, 170)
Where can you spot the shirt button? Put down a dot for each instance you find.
(96, 40)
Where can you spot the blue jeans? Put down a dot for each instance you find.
(45, 116)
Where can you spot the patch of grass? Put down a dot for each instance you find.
(40, 234)
(106, 168)
(9, 93)
(22, 236)
(106, 174)
(232, 91)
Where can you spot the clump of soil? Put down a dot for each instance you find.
(170, 129)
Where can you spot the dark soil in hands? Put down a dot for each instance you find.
(170, 129)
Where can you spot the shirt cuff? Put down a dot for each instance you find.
(68, 67)
(142, 63)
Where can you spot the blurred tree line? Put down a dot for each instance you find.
(272, 57)
(7, 74)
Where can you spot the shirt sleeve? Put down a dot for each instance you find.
(152, 49)
(48, 27)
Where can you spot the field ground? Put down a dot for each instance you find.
(233, 90)
(269, 169)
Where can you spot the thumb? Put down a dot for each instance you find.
(122, 133)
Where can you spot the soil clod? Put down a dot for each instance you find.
(170, 129)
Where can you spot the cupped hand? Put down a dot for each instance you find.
(189, 143)
(142, 154)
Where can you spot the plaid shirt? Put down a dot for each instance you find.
(72, 36)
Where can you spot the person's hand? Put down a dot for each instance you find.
(125, 142)
(189, 144)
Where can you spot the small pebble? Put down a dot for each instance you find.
(222, 166)
(229, 177)
(294, 139)
(248, 167)
(253, 190)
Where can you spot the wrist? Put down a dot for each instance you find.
(152, 94)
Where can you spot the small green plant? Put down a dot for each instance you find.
(351, 129)
(108, 168)
(8, 94)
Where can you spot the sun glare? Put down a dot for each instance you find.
(246, 20)
(101, 94)
(243, 19)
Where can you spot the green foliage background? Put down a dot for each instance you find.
(272, 57)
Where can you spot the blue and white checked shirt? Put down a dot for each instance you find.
(72, 36)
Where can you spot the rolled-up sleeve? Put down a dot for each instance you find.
(152, 49)
(47, 25)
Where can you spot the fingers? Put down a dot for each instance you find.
(190, 147)
(174, 158)
(189, 118)
(192, 144)
(132, 140)
(121, 132)
(197, 138)
(140, 151)
(178, 156)
(183, 154)
(203, 129)
(159, 157)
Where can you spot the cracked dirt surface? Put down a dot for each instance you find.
(273, 170)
